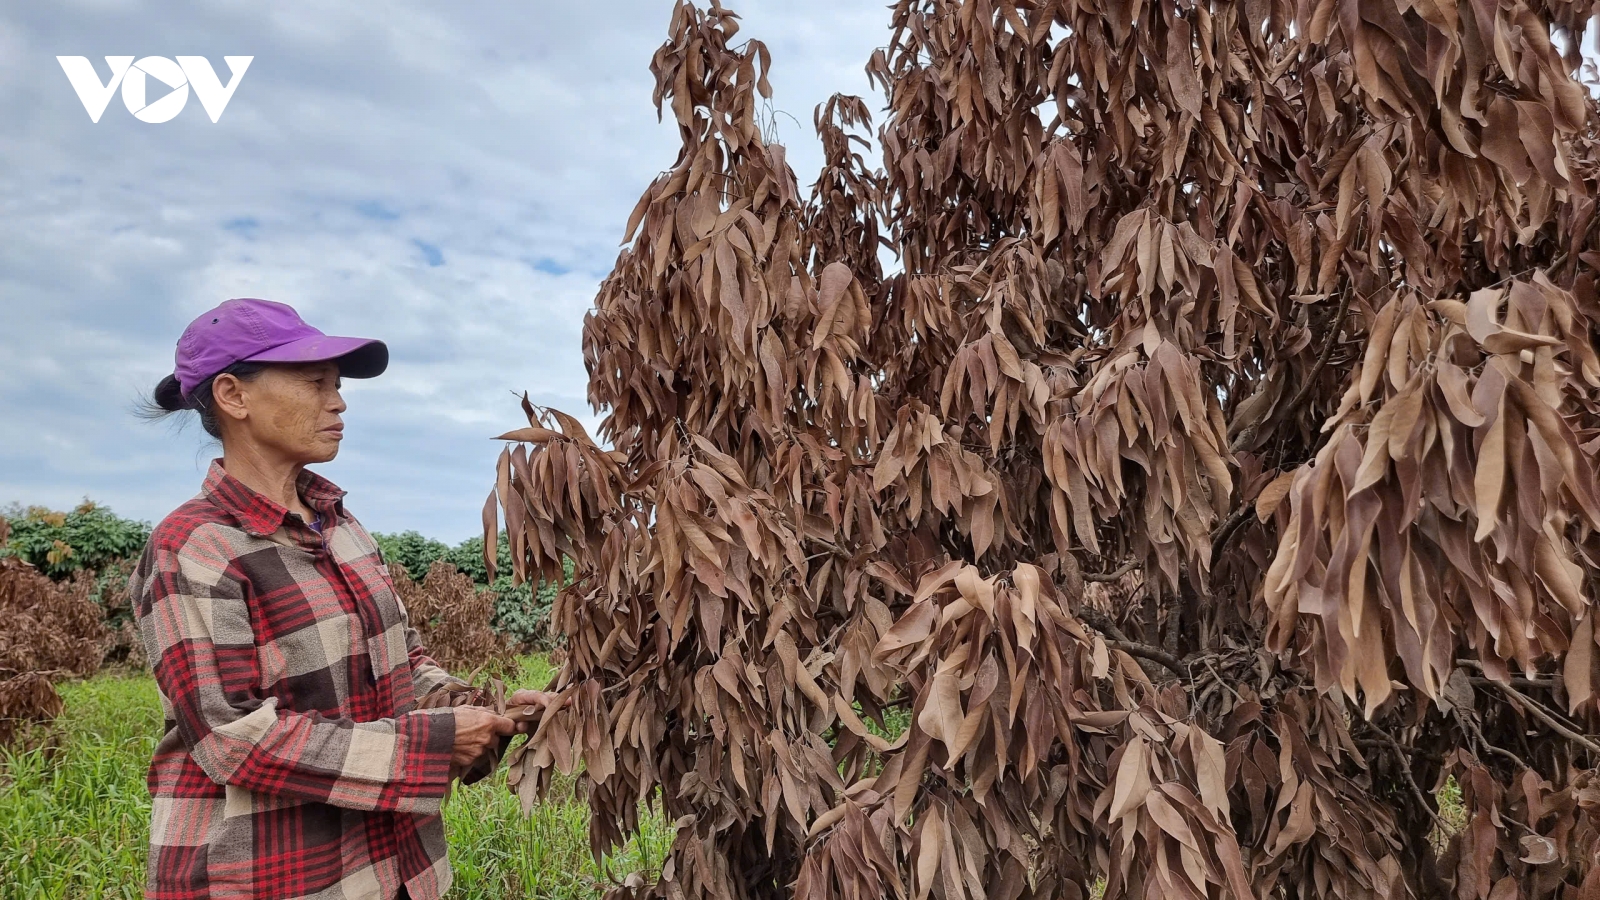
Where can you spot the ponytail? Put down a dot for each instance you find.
(168, 398)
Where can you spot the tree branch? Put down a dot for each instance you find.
(1154, 654)
(1538, 683)
(1478, 733)
(1120, 641)
(1405, 769)
(1220, 542)
(1370, 743)
(1544, 682)
(1290, 408)
(1247, 435)
(1539, 712)
(1122, 570)
(1102, 624)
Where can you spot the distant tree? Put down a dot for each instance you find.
(90, 537)
(412, 550)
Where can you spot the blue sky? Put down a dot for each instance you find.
(451, 178)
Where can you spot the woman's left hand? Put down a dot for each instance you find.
(536, 699)
(523, 708)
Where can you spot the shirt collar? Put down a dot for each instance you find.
(260, 515)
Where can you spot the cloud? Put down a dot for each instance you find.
(451, 178)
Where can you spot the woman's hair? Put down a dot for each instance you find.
(168, 397)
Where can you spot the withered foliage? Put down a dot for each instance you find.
(123, 645)
(490, 695)
(48, 630)
(451, 615)
(1213, 475)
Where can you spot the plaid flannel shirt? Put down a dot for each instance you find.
(295, 761)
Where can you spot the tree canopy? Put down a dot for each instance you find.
(1211, 475)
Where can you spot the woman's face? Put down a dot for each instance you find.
(290, 412)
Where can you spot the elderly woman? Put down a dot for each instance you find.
(296, 762)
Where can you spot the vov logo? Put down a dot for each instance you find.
(133, 77)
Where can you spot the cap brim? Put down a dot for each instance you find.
(357, 357)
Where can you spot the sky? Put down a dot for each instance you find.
(450, 178)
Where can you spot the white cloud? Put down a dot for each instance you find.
(452, 179)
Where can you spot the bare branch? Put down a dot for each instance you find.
(1404, 761)
(1238, 518)
(1310, 381)
(1484, 742)
(1543, 715)
(1154, 654)
(1122, 570)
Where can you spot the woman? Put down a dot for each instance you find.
(296, 762)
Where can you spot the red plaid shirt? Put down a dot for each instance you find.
(295, 761)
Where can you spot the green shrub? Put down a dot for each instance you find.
(90, 537)
(522, 611)
(468, 557)
(516, 614)
(412, 550)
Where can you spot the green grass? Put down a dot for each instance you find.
(75, 814)
(497, 854)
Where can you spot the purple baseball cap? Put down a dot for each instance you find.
(246, 329)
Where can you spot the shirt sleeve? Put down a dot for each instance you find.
(197, 627)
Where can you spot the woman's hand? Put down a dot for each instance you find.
(536, 699)
(477, 729)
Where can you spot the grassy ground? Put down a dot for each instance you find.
(75, 824)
